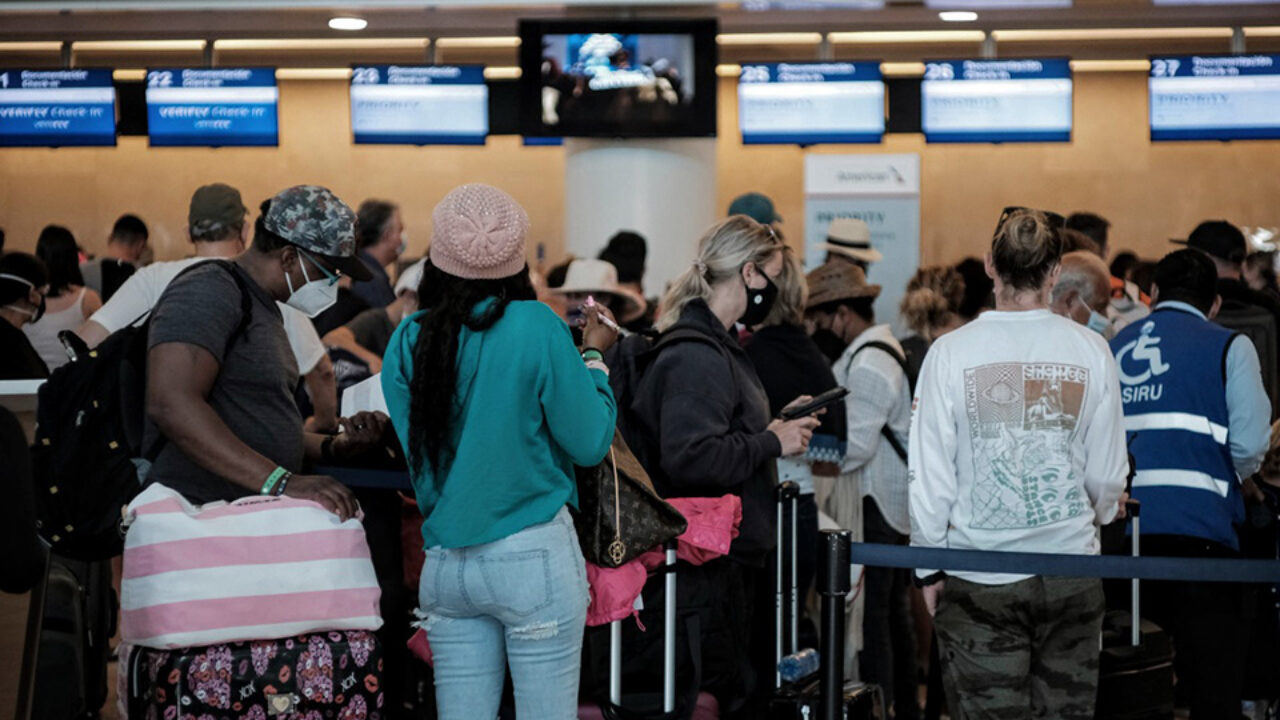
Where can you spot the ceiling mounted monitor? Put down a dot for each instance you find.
(212, 107)
(996, 101)
(57, 108)
(1215, 97)
(810, 103)
(419, 104)
(618, 78)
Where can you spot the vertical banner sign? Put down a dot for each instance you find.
(212, 106)
(419, 104)
(884, 192)
(54, 108)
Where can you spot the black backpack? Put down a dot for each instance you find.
(627, 361)
(907, 370)
(1259, 325)
(89, 425)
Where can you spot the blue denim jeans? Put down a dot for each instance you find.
(521, 599)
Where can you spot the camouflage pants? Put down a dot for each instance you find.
(1023, 650)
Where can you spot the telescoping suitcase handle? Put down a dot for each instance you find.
(668, 641)
(786, 595)
(1133, 509)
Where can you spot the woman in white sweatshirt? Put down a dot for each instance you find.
(1017, 443)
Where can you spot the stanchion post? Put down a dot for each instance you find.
(1134, 509)
(834, 583)
(669, 631)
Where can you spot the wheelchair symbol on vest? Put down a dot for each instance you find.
(1144, 348)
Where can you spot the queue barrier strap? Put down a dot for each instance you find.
(1099, 566)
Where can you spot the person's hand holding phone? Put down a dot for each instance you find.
(794, 435)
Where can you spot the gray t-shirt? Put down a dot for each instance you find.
(254, 392)
(372, 329)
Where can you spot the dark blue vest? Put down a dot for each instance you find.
(1173, 384)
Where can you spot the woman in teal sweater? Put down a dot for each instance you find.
(494, 406)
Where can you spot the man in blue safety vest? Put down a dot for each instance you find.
(1198, 418)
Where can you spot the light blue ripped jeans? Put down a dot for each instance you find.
(521, 599)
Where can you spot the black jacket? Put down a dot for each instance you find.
(789, 365)
(18, 360)
(1232, 289)
(706, 415)
(22, 562)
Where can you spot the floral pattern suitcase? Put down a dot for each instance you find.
(322, 676)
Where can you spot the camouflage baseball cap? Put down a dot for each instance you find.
(214, 207)
(314, 219)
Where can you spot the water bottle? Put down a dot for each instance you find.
(798, 666)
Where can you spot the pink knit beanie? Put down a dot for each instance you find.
(479, 233)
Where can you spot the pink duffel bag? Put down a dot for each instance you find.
(259, 568)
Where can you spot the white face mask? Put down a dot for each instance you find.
(35, 313)
(404, 243)
(314, 296)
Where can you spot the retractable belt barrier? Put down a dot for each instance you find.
(1099, 566)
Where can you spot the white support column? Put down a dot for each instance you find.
(663, 189)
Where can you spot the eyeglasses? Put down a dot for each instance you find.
(332, 276)
(1055, 220)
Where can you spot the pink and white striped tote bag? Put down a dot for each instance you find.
(259, 568)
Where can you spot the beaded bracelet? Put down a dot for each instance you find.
(284, 483)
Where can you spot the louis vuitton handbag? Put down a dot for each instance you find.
(620, 517)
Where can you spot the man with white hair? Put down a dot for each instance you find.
(1083, 292)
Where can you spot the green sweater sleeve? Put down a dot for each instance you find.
(578, 403)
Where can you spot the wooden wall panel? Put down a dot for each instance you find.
(1150, 192)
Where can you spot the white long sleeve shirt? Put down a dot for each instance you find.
(1017, 439)
(879, 395)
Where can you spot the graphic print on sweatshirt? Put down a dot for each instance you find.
(1022, 418)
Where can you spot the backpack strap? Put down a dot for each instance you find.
(888, 434)
(246, 316)
(246, 298)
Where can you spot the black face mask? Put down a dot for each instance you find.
(759, 302)
(39, 311)
(829, 343)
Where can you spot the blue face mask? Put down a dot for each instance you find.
(1097, 322)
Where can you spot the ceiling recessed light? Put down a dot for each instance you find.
(348, 23)
(957, 16)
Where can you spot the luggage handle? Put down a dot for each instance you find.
(668, 640)
(787, 492)
(1133, 509)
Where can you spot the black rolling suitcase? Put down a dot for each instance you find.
(77, 621)
(801, 699)
(668, 703)
(1135, 679)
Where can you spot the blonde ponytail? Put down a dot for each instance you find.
(722, 252)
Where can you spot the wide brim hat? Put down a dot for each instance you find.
(851, 238)
(600, 278)
(835, 281)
